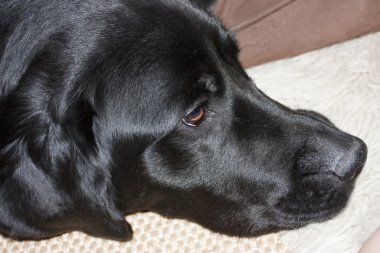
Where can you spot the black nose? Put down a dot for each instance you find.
(352, 160)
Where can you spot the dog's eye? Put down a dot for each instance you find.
(195, 117)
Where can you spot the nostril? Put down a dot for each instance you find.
(352, 161)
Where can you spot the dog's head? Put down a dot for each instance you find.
(158, 100)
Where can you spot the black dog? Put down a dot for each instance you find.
(109, 107)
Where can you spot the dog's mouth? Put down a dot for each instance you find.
(301, 219)
(321, 188)
(325, 171)
(319, 198)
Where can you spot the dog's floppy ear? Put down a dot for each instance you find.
(18, 46)
(48, 107)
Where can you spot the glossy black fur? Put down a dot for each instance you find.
(92, 94)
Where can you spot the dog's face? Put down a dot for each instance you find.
(180, 129)
(209, 146)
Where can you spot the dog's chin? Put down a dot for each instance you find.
(311, 206)
(291, 212)
(294, 221)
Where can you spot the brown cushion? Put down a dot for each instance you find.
(274, 29)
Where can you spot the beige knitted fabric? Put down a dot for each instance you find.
(152, 233)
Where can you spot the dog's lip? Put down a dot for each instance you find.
(303, 220)
(296, 220)
(302, 216)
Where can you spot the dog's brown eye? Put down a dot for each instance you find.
(195, 117)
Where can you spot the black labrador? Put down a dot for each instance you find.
(111, 107)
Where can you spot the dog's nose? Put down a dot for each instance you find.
(352, 161)
(343, 157)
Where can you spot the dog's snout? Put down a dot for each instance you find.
(352, 161)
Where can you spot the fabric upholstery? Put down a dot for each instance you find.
(274, 29)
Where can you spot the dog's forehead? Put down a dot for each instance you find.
(175, 50)
(184, 41)
(185, 29)
(201, 44)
